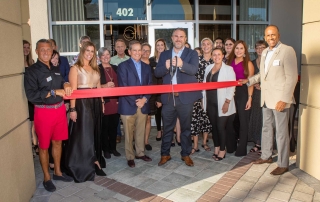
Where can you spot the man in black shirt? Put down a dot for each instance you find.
(45, 88)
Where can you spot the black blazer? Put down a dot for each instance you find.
(184, 75)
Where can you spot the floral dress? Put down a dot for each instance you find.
(200, 121)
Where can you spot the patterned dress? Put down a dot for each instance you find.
(200, 121)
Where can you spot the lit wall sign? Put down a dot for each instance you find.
(125, 9)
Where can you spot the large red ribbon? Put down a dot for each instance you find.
(152, 89)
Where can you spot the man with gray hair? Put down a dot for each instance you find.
(134, 109)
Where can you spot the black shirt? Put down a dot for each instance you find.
(39, 80)
(212, 95)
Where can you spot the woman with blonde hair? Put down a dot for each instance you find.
(200, 122)
(160, 46)
(83, 157)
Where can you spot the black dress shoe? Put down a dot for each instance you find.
(99, 171)
(145, 158)
(115, 153)
(131, 163)
(64, 177)
(148, 147)
(107, 155)
(49, 186)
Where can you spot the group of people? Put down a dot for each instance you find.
(233, 114)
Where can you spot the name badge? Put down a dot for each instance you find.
(57, 73)
(49, 79)
(276, 63)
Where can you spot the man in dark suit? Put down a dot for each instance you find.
(178, 105)
(134, 109)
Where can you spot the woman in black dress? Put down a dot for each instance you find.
(255, 123)
(145, 54)
(83, 157)
(28, 61)
(156, 106)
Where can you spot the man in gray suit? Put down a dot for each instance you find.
(278, 77)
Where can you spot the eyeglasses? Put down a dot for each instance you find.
(261, 48)
(228, 44)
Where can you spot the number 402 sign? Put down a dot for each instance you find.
(125, 12)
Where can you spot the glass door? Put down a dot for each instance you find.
(164, 30)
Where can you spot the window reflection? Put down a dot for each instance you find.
(214, 31)
(250, 34)
(215, 10)
(67, 36)
(76, 10)
(172, 10)
(252, 10)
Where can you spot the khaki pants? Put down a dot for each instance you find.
(134, 125)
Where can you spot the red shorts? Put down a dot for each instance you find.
(50, 124)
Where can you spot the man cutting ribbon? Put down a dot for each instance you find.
(178, 105)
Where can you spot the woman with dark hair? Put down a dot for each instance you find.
(28, 61)
(55, 62)
(55, 58)
(228, 46)
(255, 123)
(145, 55)
(187, 45)
(83, 157)
(108, 79)
(160, 46)
(199, 51)
(239, 59)
(219, 104)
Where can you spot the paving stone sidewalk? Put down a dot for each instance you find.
(232, 179)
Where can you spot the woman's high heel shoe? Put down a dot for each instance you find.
(159, 138)
(36, 149)
(177, 141)
(219, 158)
(99, 171)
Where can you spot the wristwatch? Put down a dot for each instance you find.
(53, 93)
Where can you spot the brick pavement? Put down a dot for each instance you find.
(232, 179)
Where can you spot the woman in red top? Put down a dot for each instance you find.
(108, 79)
(239, 59)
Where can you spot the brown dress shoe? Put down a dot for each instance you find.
(131, 163)
(261, 161)
(118, 139)
(279, 171)
(145, 158)
(164, 160)
(187, 160)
